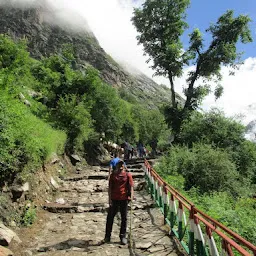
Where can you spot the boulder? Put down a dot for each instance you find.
(27, 103)
(34, 94)
(18, 190)
(54, 183)
(5, 252)
(21, 96)
(54, 158)
(7, 235)
(75, 159)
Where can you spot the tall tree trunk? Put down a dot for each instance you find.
(190, 91)
(185, 111)
(174, 103)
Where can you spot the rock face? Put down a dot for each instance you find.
(5, 252)
(7, 235)
(19, 190)
(35, 23)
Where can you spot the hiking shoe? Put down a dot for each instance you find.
(123, 241)
(106, 239)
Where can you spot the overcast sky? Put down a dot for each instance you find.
(110, 22)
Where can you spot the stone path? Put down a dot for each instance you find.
(77, 227)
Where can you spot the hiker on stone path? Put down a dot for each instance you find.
(130, 151)
(141, 150)
(120, 192)
(153, 145)
(125, 146)
(113, 163)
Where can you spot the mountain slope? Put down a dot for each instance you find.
(47, 29)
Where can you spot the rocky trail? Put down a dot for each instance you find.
(76, 225)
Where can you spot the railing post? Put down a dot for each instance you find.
(148, 175)
(160, 196)
(180, 215)
(152, 190)
(173, 211)
(191, 231)
(165, 202)
(200, 243)
(156, 192)
(226, 248)
(212, 246)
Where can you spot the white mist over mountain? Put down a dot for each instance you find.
(110, 21)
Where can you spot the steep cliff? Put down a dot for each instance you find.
(47, 29)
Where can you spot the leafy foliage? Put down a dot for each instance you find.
(66, 109)
(212, 128)
(29, 216)
(221, 132)
(202, 167)
(150, 123)
(214, 166)
(25, 140)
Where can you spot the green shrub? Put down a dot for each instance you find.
(238, 214)
(222, 132)
(202, 166)
(29, 216)
(212, 128)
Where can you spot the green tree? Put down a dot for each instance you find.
(75, 118)
(107, 111)
(150, 123)
(203, 166)
(161, 23)
(221, 132)
(212, 128)
(14, 62)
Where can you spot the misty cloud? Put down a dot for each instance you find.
(110, 21)
(53, 12)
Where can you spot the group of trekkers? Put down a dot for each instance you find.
(140, 151)
(120, 187)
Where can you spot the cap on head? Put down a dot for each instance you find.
(120, 163)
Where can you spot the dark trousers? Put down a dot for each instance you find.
(112, 211)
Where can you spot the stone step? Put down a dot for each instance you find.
(135, 166)
(95, 202)
(89, 207)
(132, 170)
(98, 176)
(92, 186)
(74, 198)
(140, 160)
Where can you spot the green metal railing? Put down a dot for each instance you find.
(186, 222)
